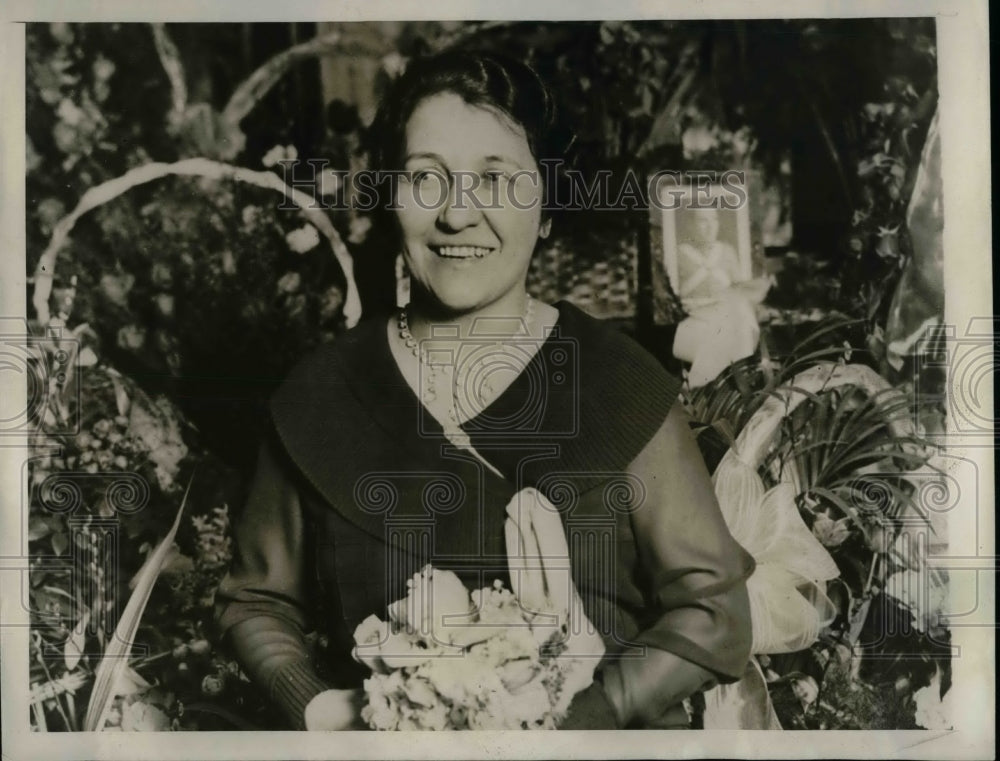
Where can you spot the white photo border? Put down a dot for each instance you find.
(683, 196)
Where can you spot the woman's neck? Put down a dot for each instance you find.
(455, 359)
(505, 317)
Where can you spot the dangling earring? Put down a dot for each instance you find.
(402, 282)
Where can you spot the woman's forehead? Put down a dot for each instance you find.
(446, 126)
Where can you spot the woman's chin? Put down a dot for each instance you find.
(458, 307)
(458, 300)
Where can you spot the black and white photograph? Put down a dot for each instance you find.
(707, 255)
(380, 370)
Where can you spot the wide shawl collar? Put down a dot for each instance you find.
(584, 407)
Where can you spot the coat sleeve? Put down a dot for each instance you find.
(694, 575)
(259, 604)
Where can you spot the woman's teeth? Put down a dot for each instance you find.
(463, 252)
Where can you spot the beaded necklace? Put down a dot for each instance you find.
(452, 427)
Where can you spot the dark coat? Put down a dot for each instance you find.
(358, 488)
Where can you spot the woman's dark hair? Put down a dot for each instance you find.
(480, 79)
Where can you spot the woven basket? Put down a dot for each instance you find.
(99, 195)
(606, 287)
(747, 506)
(788, 604)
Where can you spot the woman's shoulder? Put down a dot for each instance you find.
(337, 356)
(607, 356)
(329, 372)
(622, 393)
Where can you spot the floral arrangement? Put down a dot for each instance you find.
(837, 443)
(449, 659)
(108, 468)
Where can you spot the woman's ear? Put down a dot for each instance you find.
(545, 228)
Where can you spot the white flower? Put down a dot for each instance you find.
(742, 141)
(165, 304)
(61, 32)
(806, 690)
(698, 139)
(830, 533)
(33, 158)
(289, 282)
(497, 679)
(420, 692)
(393, 64)
(329, 182)
(250, 215)
(69, 112)
(359, 229)
(144, 717)
(532, 702)
(228, 262)
(330, 302)
(370, 631)
(933, 711)
(280, 153)
(103, 69)
(516, 674)
(304, 239)
(114, 719)
(50, 211)
(131, 337)
(116, 288)
(381, 712)
(435, 596)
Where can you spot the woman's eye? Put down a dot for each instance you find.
(425, 175)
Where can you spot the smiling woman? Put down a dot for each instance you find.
(468, 248)
(453, 436)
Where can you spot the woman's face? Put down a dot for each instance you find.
(468, 237)
(704, 226)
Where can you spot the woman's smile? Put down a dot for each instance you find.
(461, 253)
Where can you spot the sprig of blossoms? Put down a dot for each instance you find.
(448, 659)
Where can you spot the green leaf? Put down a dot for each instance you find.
(73, 649)
(858, 619)
(725, 429)
(122, 401)
(115, 658)
(38, 528)
(59, 543)
(61, 592)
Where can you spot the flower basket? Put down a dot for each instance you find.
(789, 605)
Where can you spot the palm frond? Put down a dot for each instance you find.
(115, 658)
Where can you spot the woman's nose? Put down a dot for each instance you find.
(460, 209)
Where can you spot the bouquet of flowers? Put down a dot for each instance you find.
(451, 659)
